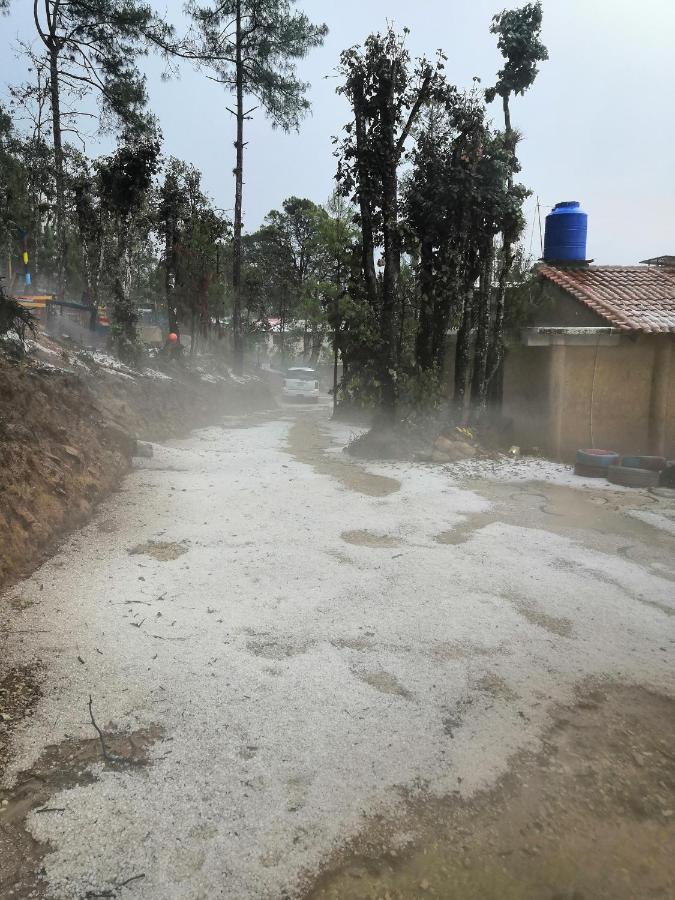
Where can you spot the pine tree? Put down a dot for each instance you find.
(92, 46)
(251, 47)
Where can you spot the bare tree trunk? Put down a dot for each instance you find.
(238, 362)
(336, 351)
(496, 351)
(317, 341)
(391, 249)
(463, 352)
(124, 313)
(59, 175)
(424, 340)
(170, 275)
(364, 195)
(483, 319)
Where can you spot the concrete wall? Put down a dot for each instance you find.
(571, 394)
(557, 308)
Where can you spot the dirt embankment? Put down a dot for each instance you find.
(68, 432)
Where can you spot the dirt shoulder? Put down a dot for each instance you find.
(590, 816)
(68, 429)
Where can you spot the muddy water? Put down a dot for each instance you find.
(589, 818)
(596, 518)
(307, 443)
(60, 766)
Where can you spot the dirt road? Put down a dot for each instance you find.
(316, 678)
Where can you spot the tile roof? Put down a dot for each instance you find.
(633, 298)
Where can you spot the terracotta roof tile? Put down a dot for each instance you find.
(633, 298)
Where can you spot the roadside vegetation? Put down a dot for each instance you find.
(419, 240)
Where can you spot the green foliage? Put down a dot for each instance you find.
(519, 42)
(125, 179)
(273, 38)
(193, 234)
(97, 44)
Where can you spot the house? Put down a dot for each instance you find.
(596, 367)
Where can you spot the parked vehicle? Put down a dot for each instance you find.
(301, 383)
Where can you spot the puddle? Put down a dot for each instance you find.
(605, 780)
(600, 520)
(364, 538)
(160, 550)
(60, 767)
(307, 443)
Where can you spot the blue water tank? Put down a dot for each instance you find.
(565, 235)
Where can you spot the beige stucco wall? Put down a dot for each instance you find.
(565, 396)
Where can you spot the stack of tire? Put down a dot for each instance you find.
(629, 471)
(637, 471)
(595, 463)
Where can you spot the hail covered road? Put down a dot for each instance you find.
(306, 641)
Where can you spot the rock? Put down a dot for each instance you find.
(72, 452)
(144, 450)
(120, 439)
(425, 885)
(447, 450)
(443, 444)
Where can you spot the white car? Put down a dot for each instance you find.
(301, 383)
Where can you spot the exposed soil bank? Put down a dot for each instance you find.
(67, 435)
(588, 818)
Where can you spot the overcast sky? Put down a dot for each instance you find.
(597, 125)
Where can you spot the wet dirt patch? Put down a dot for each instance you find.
(455, 650)
(590, 572)
(60, 767)
(532, 613)
(359, 644)
(364, 538)
(605, 781)
(20, 603)
(160, 550)
(307, 444)
(600, 520)
(274, 648)
(384, 682)
(19, 692)
(107, 526)
(495, 686)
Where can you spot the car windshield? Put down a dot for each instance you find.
(301, 375)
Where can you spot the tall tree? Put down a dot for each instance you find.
(519, 41)
(125, 179)
(251, 47)
(92, 46)
(386, 94)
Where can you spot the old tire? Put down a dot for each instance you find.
(653, 463)
(603, 458)
(629, 476)
(590, 471)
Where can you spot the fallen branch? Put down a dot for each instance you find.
(133, 878)
(104, 749)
